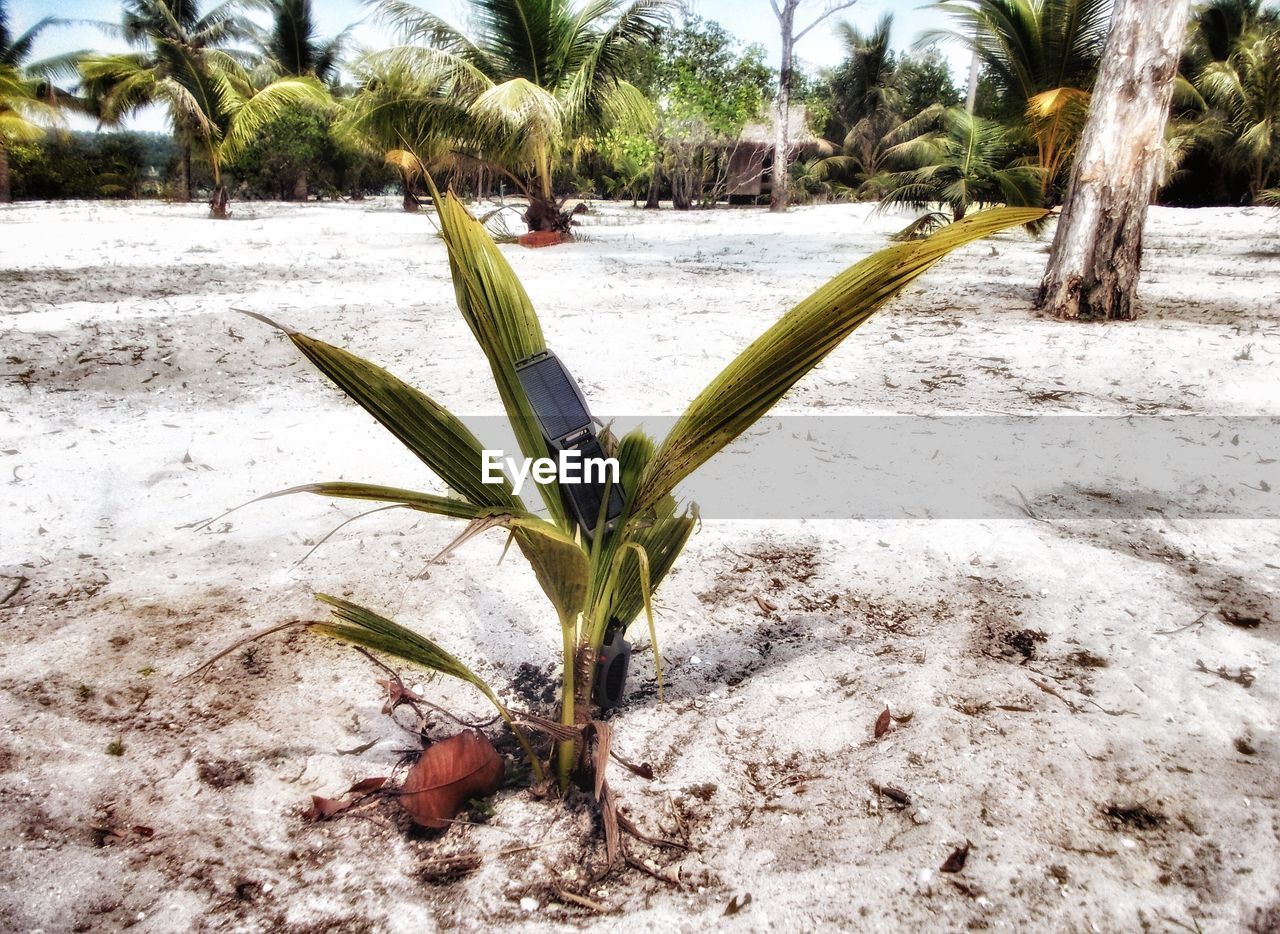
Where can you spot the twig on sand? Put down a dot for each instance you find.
(405, 696)
(1026, 507)
(1194, 624)
(583, 901)
(1051, 690)
(254, 637)
(1071, 705)
(21, 582)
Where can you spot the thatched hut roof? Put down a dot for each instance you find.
(761, 132)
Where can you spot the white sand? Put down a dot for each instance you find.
(135, 402)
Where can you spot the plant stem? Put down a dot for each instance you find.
(539, 775)
(565, 749)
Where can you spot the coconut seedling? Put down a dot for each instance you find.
(598, 581)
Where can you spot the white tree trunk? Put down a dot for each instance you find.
(779, 194)
(1097, 251)
(971, 96)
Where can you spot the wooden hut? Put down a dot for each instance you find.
(750, 178)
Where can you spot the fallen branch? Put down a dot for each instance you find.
(21, 582)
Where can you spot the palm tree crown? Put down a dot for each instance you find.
(532, 76)
(292, 47)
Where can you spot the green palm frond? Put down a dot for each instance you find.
(432, 433)
(749, 386)
(522, 119)
(360, 626)
(497, 309)
(246, 116)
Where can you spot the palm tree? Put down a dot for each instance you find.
(28, 96)
(1042, 56)
(1217, 26)
(1244, 91)
(533, 76)
(169, 69)
(212, 100)
(870, 109)
(292, 49)
(863, 84)
(963, 164)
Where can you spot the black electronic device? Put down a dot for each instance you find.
(611, 667)
(566, 425)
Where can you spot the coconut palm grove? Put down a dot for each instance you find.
(537, 465)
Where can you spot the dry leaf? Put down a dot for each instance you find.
(737, 903)
(882, 722)
(764, 604)
(955, 862)
(448, 775)
(397, 694)
(325, 808)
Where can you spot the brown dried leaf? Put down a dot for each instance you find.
(955, 862)
(325, 808)
(448, 775)
(397, 694)
(764, 604)
(882, 722)
(737, 903)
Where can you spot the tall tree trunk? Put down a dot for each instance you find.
(971, 97)
(407, 200)
(182, 193)
(6, 190)
(219, 204)
(1097, 251)
(301, 190)
(655, 184)
(779, 194)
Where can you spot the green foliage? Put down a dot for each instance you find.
(212, 99)
(293, 48)
(1224, 140)
(91, 165)
(704, 77)
(1041, 58)
(965, 161)
(924, 80)
(707, 87)
(290, 146)
(878, 101)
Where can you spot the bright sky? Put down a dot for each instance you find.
(749, 20)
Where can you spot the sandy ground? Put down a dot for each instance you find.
(1058, 721)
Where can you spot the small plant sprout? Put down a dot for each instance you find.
(599, 581)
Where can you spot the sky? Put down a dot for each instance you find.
(752, 21)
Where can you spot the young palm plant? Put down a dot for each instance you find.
(1042, 56)
(601, 582)
(965, 164)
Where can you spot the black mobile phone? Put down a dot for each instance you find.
(567, 426)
